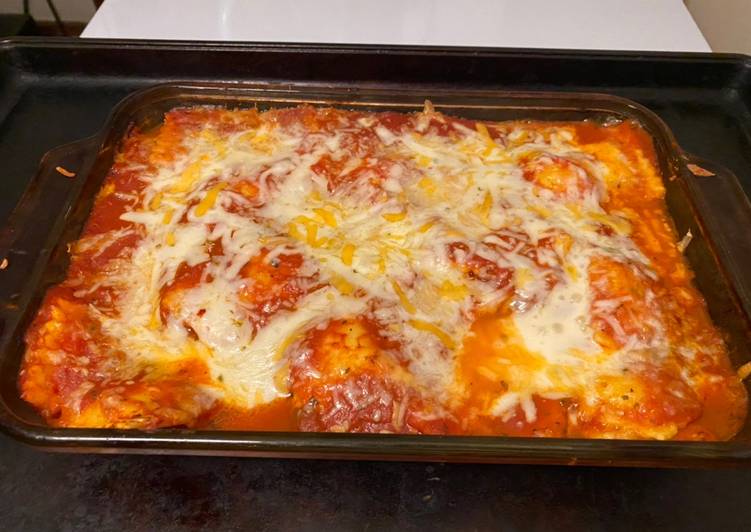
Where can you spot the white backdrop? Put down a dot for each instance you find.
(594, 24)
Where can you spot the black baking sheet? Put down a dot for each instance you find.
(59, 91)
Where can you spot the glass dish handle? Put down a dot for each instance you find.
(35, 224)
(726, 211)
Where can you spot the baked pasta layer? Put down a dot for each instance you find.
(317, 269)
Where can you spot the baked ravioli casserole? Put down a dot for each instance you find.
(317, 269)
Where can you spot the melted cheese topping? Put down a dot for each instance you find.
(425, 230)
(386, 244)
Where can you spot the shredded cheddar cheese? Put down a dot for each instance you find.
(348, 253)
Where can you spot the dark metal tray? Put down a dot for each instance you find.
(48, 215)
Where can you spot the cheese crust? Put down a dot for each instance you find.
(319, 269)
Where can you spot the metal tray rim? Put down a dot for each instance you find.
(338, 48)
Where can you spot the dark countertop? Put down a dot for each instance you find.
(55, 95)
(44, 491)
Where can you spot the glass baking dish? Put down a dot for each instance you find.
(701, 197)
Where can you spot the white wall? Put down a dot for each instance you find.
(726, 24)
(70, 10)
